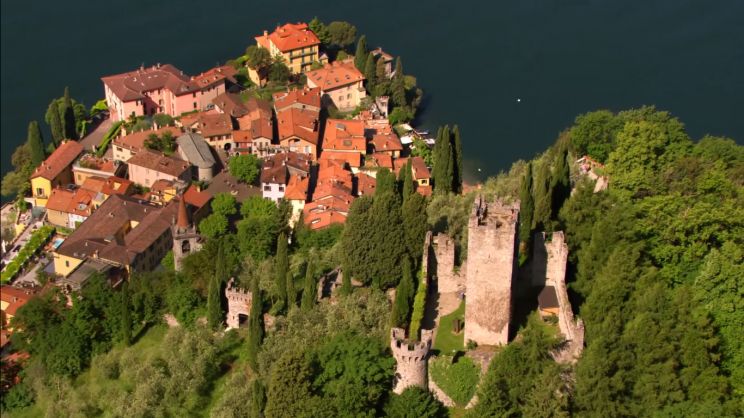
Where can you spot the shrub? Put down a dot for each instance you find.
(419, 305)
(457, 379)
(112, 132)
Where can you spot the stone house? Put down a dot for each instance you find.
(340, 83)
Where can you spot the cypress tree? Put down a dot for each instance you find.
(35, 143)
(68, 116)
(55, 122)
(380, 70)
(543, 197)
(385, 182)
(255, 324)
(126, 315)
(437, 154)
(398, 85)
(291, 293)
(457, 152)
(258, 399)
(310, 291)
(214, 298)
(448, 152)
(281, 267)
(561, 181)
(527, 208)
(406, 175)
(443, 163)
(414, 225)
(403, 297)
(370, 71)
(360, 58)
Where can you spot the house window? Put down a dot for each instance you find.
(67, 263)
(267, 188)
(348, 96)
(80, 177)
(194, 103)
(194, 95)
(39, 191)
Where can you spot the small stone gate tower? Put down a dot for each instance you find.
(491, 266)
(185, 238)
(238, 303)
(411, 358)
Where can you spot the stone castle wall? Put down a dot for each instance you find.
(491, 265)
(238, 303)
(448, 280)
(411, 359)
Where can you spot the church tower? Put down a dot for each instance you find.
(185, 238)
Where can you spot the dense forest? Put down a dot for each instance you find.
(656, 274)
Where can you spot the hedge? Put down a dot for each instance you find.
(112, 132)
(419, 306)
(37, 240)
(458, 380)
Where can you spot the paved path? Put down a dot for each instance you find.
(96, 135)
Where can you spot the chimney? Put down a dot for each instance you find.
(266, 33)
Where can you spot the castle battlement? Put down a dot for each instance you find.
(411, 358)
(238, 303)
(493, 214)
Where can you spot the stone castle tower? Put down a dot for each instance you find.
(491, 267)
(411, 359)
(185, 238)
(238, 303)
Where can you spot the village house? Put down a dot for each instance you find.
(147, 167)
(304, 98)
(332, 196)
(215, 127)
(296, 194)
(344, 140)
(295, 43)
(387, 60)
(298, 130)
(340, 83)
(421, 173)
(124, 232)
(88, 165)
(11, 299)
(128, 145)
(53, 172)
(230, 103)
(365, 185)
(387, 143)
(70, 206)
(256, 130)
(276, 172)
(195, 150)
(163, 89)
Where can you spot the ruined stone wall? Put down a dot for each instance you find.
(238, 302)
(491, 265)
(448, 280)
(573, 331)
(411, 359)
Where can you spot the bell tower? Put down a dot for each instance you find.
(185, 238)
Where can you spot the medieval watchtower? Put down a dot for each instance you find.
(491, 266)
(238, 303)
(185, 238)
(411, 358)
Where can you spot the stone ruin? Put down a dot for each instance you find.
(553, 254)
(491, 267)
(448, 279)
(411, 359)
(238, 303)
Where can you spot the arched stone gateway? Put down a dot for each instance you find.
(238, 304)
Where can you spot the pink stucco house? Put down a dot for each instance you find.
(163, 89)
(147, 167)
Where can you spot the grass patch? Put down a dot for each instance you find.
(447, 342)
(457, 379)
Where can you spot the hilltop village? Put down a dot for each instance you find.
(273, 238)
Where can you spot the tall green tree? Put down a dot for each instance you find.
(527, 206)
(126, 315)
(561, 180)
(443, 162)
(415, 402)
(457, 151)
(385, 182)
(35, 143)
(309, 293)
(342, 34)
(543, 193)
(255, 324)
(321, 30)
(403, 297)
(370, 72)
(281, 269)
(54, 121)
(214, 295)
(414, 226)
(68, 116)
(258, 399)
(405, 178)
(398, 85)
(360, 57)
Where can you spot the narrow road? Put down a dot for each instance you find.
(96, 135)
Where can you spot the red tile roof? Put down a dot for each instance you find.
(289, 37)
(216, 75)
(158, 162)
(305, 97)
(418, 167)
(60, 159)
(276, 169)
(77, 201)
(301, 123)
(386, 142)
(108, 186)
(352, 159)
(15, 297)
(209, 124)
(334, 75)
(297, 188)
(132, 85)
(344, 135)
(366, 184)
(136, 141)
(196, 198)
(380, 159)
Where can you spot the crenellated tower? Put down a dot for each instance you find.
(238, 303)
(411, 359)
(491, 266)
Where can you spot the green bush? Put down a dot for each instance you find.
(419, 305)
(112, 132)
(457, 379)
(37, 240)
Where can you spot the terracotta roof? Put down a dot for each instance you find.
(418, 167)
(276, 169)
(136, 141)
(387, 141)
(344, 135)
(352, 159)
(214, 76)
(297, 188)
(301, 123)
(102, 236)
(378, 52)
(196, 198)
(60, 159)
(365, 184)
(15, 297)
(209, 123)
(332, 171)
(107, 186)
(380, 159)
(334, 75)
(231, 104)
(305, 97)
(76, 201)
(159, 162)
(329, 209)
(289, 37)
(132, 85)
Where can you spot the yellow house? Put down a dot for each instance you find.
(294, 42)
(55, 171)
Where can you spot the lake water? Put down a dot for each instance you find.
(512, 74)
